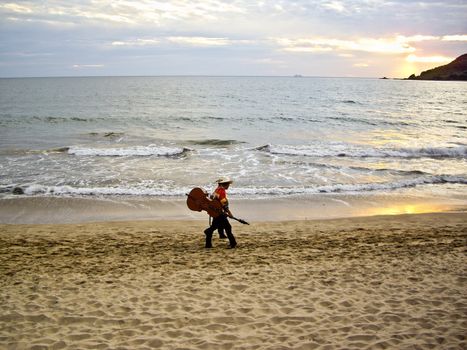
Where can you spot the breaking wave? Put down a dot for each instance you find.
(101, 191)
(349, 188)
(355, 151)
(136, 151)
(248, 192)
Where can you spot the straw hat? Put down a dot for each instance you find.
(224, 180)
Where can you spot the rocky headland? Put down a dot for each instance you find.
(456, 70)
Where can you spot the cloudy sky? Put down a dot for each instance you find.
(362, 38)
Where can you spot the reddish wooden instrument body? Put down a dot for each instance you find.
(198, 200)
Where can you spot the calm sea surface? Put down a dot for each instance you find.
(276, 137)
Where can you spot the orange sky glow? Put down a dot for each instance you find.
(358, 38)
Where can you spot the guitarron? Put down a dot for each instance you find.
(198, 200)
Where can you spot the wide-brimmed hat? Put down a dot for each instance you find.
(224, 180)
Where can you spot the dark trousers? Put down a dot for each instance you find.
(221, 222)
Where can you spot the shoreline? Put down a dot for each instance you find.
(50, 210)
(389, 282)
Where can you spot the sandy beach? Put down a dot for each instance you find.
(384, 282)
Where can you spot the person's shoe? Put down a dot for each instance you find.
(232, 246)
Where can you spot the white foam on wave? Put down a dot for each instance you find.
(245, 192)
(38, 189)
(347, 150)
(138, 151)
(349, 188)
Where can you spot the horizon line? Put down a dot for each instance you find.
(298, 76)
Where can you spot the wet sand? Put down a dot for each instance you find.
(60, 210)
(385, 282)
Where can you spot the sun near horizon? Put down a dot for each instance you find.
(352, 38)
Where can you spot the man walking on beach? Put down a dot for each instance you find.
(221, 222)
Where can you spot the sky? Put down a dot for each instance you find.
(354, 38)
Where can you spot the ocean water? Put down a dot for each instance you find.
(158, 137)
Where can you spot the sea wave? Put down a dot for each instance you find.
(310, 165)
(109, 134)
(373, 122)
(24, 152)
(350, 188)
(242, 192)
(388, 186)
(38, 189)
(136, 151)
(215, 142)
(360, 152)
(9, 119)
(55, 120)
